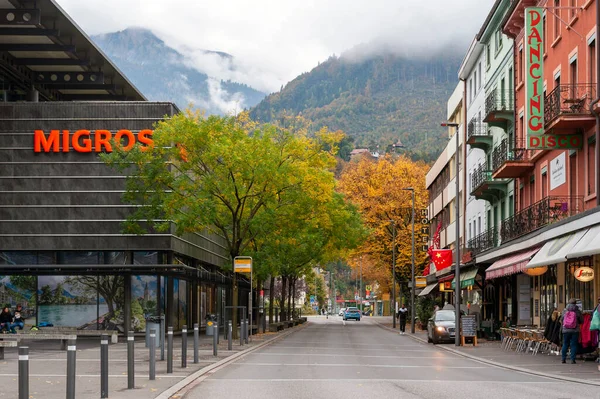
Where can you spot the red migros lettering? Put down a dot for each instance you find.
(82, 140)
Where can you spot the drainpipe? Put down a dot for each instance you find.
(464, 174)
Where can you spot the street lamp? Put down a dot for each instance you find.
(412, 269)
(456, 242)
(393, 273)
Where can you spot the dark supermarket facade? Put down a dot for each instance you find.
(63, 255)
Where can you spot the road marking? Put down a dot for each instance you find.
(368, 380)
(181, 376)
(356, 349)
(391, 366)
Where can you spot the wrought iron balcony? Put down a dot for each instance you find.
(567, 108)
(484, 186)
(511, 161)
(499, 107)
(484, 241)
(478, 135)
(547, 211)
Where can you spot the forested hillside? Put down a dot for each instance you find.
(377, 102)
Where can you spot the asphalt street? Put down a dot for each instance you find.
(331, 358)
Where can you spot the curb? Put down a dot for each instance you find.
(501, 365)
(191, 378)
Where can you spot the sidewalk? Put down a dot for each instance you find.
(491, 353)
(48, 365)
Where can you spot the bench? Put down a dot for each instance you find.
(40, 336)
(6, 344)
(114, 337)
(274, 327)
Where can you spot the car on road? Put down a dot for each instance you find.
(352, 313)
(341, 313)
(441, 327)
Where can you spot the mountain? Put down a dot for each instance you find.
(163, 74)
(377, 100)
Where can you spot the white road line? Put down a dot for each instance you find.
(391, 366)
(361, 356)
(366, 381)
(181, 376)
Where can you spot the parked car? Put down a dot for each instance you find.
(441, 327)
(352, 313)
(341, 313)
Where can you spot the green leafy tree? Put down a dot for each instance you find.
(226, 175)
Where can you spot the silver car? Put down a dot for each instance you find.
(441, 327)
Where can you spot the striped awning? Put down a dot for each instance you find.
(511, 264)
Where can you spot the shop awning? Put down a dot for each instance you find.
(427, 290)
(556, 250)
(511, 264)
(446, 278)
(588, 245)
(467, 277)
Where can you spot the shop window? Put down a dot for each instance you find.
(582, 291)
(84, 302)
(18, 258)
(145, 258)
(117, 258)
(20, 290)
(80, 258)
(144, 297)
(548, 294)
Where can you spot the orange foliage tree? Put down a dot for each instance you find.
(376, 186)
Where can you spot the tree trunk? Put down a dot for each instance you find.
(294, 294)
(271, 298)
(234, 315)
(289, 299)
(283, 296)
(257, 305)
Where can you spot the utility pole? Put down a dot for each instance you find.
(393, 274)
(361, 291)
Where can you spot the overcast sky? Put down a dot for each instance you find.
(273, 41)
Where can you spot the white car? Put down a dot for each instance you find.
(341, 313)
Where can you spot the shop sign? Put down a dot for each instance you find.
(82, 140)
(534, 88)
(584, 274)
(446, 286)
(558, 171)
(421, 281)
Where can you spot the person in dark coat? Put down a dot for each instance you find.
(5, 319)
(402, 313)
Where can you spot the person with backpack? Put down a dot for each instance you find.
(571, 319)
(402, 313)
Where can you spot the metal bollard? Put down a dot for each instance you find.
(130, 361)
(104, 366)
(246, 328)
(215, 340)
(71, 361)
(229, 336)
(169, 350)
(241, 332)
(196, 342)
(24, 372)
(184, 347)
(162, 337)
(152, 369)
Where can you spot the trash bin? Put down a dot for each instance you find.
(153, 323)
(211, 319)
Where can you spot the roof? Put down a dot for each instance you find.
(43, 48)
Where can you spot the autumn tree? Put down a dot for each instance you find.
(377, 187)
(227, 175)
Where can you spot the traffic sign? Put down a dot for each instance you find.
(242, 264)
(312, 299)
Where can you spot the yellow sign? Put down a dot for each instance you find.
(368, 288)
(242, 265)
(420, 281)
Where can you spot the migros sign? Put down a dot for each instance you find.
(82, 140)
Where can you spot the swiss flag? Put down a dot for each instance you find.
(442, 258)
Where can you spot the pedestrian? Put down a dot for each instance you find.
(402, 313)
(18, 319)
(571, 319)
(5, 319)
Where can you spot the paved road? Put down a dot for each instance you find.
(336, 359)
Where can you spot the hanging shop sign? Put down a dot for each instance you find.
(584, 274)
(89, 141)
(558, 171)
(534, 88)
(536, 271)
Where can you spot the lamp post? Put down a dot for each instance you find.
(393, 274)
(412, 269)
(457, 287)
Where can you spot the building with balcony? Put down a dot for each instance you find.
(441, 183)
(554, 233)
